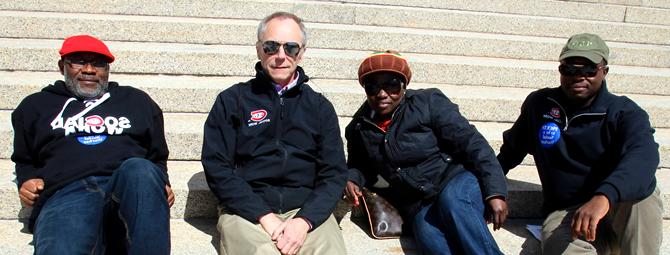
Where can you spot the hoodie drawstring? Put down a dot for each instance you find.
(58, 121)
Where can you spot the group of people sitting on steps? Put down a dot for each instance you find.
(91, 158)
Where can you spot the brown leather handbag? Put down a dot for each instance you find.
(385, 221)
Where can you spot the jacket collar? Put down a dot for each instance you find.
(365, 112)
(267, 82)
(602, 99)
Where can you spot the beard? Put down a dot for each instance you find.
(72, 84)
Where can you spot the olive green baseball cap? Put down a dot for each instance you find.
(588, 46)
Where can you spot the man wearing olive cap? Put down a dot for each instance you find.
(87, 153)
(596, 157)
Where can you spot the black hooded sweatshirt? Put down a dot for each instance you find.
(61, 138)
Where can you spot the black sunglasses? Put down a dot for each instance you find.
(392, 86)
(586, 70)
(290, 48)
(80, 63)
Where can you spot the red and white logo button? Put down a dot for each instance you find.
(94, 121)
(258, 115)
(555, 112)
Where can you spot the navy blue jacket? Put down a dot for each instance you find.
(427, 143)
(606, 148)
(267, 153)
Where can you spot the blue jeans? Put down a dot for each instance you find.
(454, 223)
(79, 217)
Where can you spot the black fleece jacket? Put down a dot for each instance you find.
(606, 148)
(267, 153)
(59, 139)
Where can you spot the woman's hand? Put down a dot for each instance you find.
(496, 211)
(352, 192)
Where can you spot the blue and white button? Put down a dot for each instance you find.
(550, 133)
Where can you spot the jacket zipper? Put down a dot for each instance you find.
(278, 136)
(386, 134)
(374, 125)
(281, 200)
(565, 114)
(281, 107)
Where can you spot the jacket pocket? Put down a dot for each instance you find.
(427, 176)
(418, 180)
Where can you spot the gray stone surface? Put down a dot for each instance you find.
(486, 56)
(563, 9)
(646, 3)
(223, 60)
(194, 200)
(648, 15)
(184, 136)
(255, 10)
(331, 36)
(511, 24)
(185, 93)
(199, 236)
(375, 15)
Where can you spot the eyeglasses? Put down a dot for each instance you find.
(586, 70)
(80, 63)
(392, 86)
(290, 48)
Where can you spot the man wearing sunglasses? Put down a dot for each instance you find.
(596, 157)
(87, 152)
(442, 174)
(273, 154)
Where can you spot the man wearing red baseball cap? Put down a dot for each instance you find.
(87, 153)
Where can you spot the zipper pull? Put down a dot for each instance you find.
(281, 108)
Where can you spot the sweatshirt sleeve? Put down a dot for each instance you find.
(515, 141)
(158, 150)
(466, 145)
(218, 160)
(23, 155)
(331, 169)
(639, 158)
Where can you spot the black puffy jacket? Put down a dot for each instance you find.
(427, 143)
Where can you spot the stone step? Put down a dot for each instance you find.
(651, 4)
(184, 136)
(199, 236)
(640, 12)
(194, 200)
(227, 60)
(477, 103)
(17, 24)
(363, 14)
(191, 236)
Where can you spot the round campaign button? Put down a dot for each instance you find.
(550, 133)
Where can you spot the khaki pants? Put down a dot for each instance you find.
(630, 228)
(239, 236)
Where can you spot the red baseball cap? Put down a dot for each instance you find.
(85, 43)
